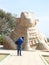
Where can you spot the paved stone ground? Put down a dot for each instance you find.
(27, 58)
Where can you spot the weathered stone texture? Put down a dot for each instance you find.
(26, 26)
(9, 43)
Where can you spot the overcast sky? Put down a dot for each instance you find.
(39, 7)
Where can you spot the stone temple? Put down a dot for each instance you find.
(26, 27)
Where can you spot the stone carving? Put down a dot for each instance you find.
(8, 43)
(26, 26)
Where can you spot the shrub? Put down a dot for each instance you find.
(48, 39)
(1, 38)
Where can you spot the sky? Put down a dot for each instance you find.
(39, 7)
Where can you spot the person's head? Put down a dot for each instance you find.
(22, 37)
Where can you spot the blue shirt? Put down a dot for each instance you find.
(20, 41)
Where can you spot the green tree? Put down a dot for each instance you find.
(1, 39)
(48, 39)
(7, 22)
(2, 14)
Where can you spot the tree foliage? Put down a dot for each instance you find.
(7, 22)
(1, 38)
(48, 39)
(2, 13)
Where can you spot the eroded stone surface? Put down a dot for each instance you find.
(26, 27)
(8, 43)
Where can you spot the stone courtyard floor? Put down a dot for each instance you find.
(27, 58)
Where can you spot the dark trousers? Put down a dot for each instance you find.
(19, 49)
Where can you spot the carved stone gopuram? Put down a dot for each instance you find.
(26, 27)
